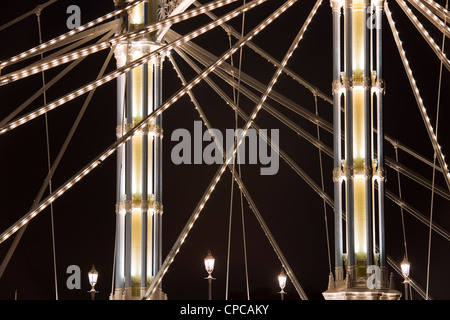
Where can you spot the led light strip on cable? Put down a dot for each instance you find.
(35, 50)
(141, 125)
(45, 65)
(206, 58)
(238, 180)
(415, 89)
(272, 60)
(298, 130)
(303, 174)
(114, 74)
(439, 10)
(48, 85)
(424, 34)
(320, 94)
(176, 248)
(431, 16)
(271, 111)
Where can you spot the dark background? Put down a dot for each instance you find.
(85, 216)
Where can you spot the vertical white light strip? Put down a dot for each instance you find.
(415, 89)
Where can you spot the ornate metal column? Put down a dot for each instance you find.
(360, 167)
(139, 163)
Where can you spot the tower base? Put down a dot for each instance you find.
(124, 294)
(158, 295)
(360, 291)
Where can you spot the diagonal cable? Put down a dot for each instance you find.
(422, 109)
(219, 173)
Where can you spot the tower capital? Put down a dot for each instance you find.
(378, 3)
(336, 5)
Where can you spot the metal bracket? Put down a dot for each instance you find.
(158, 207)
(337, 174)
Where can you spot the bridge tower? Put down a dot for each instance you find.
(360, 255)
(138, 255)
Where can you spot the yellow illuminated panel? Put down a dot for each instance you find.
(359, 143)
(360, 216)
(136, 217)
(358, 29)
(137, 169)
(137, 15)
(137, 139)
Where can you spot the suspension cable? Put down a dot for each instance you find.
(313, 88)
(229, 29)
(135, 63)
(254, 113)
(46, 45)
(53, 61)
(302, 174)
(229, 231)
(205, 58)
(230, 219)
(439, 53)
(29, 13)
(49, 176)
(139, 126)
(49, 84)
(402, 217)
(236, 95)
(434, 157)
(318, 144)
(419, 100)
(323, 189)
(238, 180)
(244, 238)
(238, 156)
(38, 16)
(433, 17)
(401, 207)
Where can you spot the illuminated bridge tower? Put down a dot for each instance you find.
(139, 172)
(358, 175)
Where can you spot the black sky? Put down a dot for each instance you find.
(84, 217)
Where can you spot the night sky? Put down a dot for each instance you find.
(84, 217)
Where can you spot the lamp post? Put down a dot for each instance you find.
(405, 266)
(93, 276)
(282, 282)
(209, 266)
